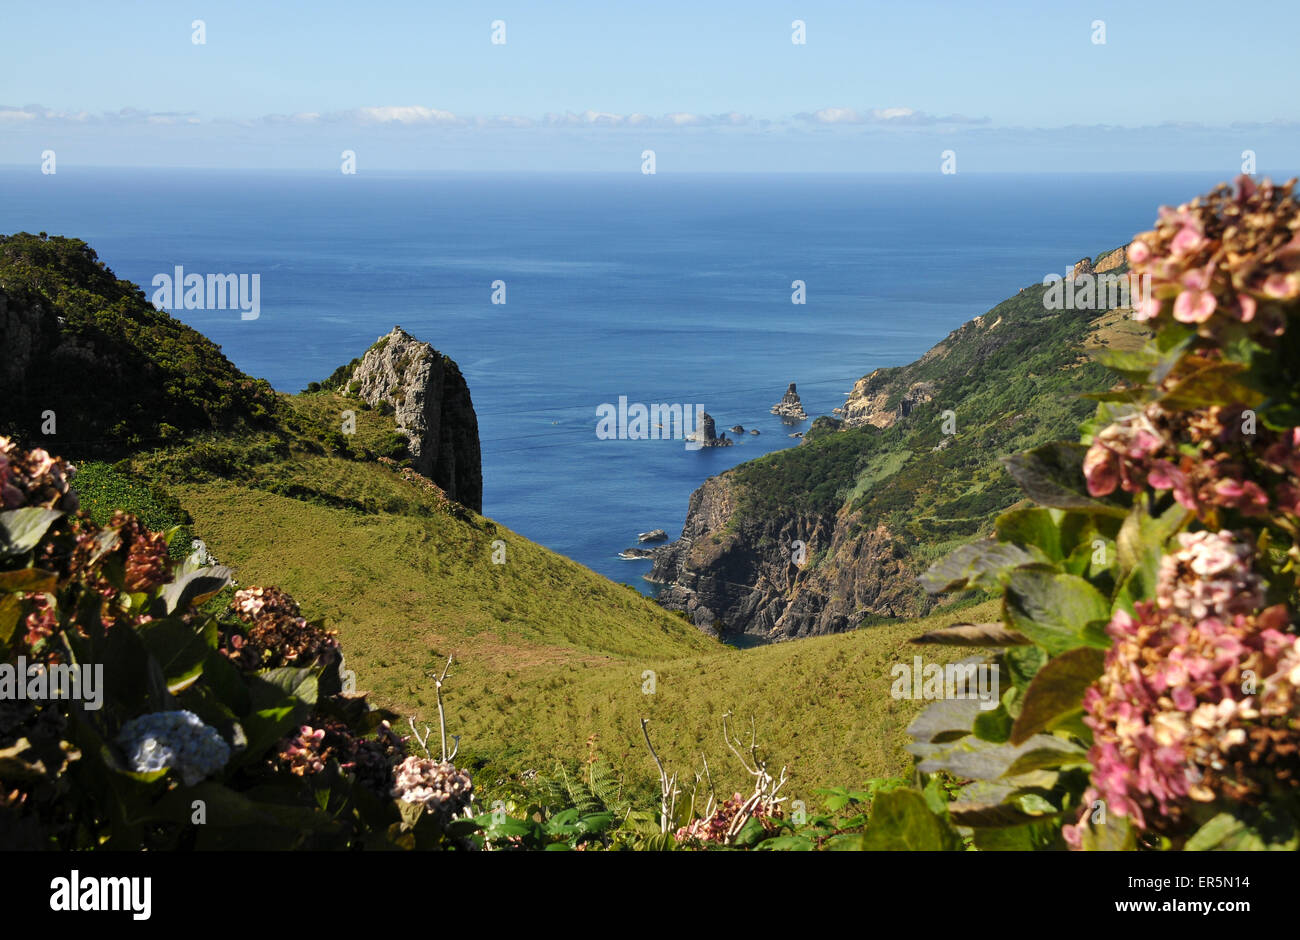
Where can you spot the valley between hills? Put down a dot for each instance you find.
(358, 496)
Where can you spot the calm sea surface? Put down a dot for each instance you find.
(658, 288)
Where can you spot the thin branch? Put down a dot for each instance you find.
(665, 786)
(442, 721)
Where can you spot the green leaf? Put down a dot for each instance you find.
(1052, 475)
(976, 564)
(990, 815)
(1246, 830)
(1033, 526)
(1046, 758)
(22, 529)
(993, 725)
(901, 821)
(193, 587)
(1057, 689)
(179, 648)
(794, 843)
(936, 727)
(1141, 532)
(974, 634)
(1133, 364)
(28, 581)
(11, 608)
(1052, 608)
(973, 759)
(1215, 384)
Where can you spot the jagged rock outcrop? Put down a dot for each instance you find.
(432, 405)
(708, 435)
(1082, 268)
(875, 400)
(654, 535)
(790, 408)
(752, 578)
(1107, 261)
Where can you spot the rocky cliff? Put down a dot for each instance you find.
(431, 405)
(830, 535)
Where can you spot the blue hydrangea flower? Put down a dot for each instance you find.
(175, 739)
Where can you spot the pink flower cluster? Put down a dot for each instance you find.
(1148, 448)
(1210, 575)
(1223, 257)
(278, 634)
(1189, 710)
(714, 828)
(305, 753)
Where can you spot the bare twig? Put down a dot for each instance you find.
(667, 785)
(442, 721)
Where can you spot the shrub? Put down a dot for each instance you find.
(1150, 596)
(162, 702)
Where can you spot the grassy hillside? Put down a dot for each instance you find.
(548, 652)
(311, 492)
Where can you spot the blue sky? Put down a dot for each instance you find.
(708, 86)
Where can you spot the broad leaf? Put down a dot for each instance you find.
(1052, 475)
(21, 529)
(974, 634)
(901, 821)
(1052, 609)
(976, 564)
(1057, 689)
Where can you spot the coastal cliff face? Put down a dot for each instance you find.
(431, 405)
(830, 535)
(755, 579)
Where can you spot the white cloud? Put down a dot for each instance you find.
(406, 114)
(884, 117)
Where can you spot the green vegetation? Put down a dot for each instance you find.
(153, 378)
(103, 491)
(1010, 380)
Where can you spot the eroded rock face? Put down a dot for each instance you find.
(873, 400)
(748, 577)
(431, 403)
(790, 407)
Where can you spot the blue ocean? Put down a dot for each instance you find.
(661, 289)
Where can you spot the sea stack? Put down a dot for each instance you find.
(789, 407)
(432, 405)
(711, 438)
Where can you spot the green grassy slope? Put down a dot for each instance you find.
(548, 653)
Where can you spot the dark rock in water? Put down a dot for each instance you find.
(431, 403)
(738, 430)
(790, 408)
(631, 554)
(753, 431)
(654, 535)
(710, 435)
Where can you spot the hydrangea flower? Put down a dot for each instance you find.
(441, 787)
(1192, 711)
(1221, 258)
(177, 740)
(34, 478)
(1209, 576)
